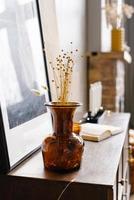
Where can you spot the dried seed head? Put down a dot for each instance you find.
(62, 72)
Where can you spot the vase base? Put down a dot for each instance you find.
(61, 170)
(65, 156)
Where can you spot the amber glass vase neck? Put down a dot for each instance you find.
(62, 114)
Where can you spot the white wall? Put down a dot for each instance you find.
(64, 21)
(98, 32)
(50, 31)
(71, 18)
(94, 25)
(105, 30)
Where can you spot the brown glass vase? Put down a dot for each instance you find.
(63, 150)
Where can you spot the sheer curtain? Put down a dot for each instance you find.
(129, 75)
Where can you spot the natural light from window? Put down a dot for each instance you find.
(7, 70)
(2, 6)
(35, 44)
(22, 2)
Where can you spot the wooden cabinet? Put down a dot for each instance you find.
(103, 175)
(123, 174)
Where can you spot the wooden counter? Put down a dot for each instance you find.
(103, 167)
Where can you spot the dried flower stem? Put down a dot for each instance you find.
(62, 73)
(116, 14)
(55, 78)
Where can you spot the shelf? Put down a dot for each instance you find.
(124, 56)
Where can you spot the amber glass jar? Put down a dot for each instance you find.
(63, 150)
(117, 39)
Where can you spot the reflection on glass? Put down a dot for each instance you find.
(9, 81)
(21, 66)
(22, 2)
(33, 32)
(2, 6)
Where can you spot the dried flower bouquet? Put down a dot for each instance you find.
(117, 14)
(62, 73)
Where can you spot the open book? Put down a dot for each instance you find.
(98, 132)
